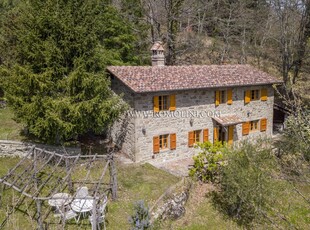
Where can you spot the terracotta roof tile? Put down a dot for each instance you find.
(165, 78)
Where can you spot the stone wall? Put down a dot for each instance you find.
(200, 103)
(197, 102)
(19, 149)
(123, 130)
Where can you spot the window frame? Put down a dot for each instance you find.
(197, 136)
(254, 94)
(254, 126)
(163, 103)
(222, 96)
(166, 138)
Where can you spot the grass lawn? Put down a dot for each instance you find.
(145, 182)
(136, 182)
(9, 129)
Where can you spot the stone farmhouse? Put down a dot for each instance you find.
(174, 107)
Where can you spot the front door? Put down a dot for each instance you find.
(230, 134)
(224, 134)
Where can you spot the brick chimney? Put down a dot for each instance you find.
(158, 57)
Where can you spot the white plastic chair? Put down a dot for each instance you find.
(100, 219)
(81, 192)
(103, 206)
(101, 214)
(68, 215)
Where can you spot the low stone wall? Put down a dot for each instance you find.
(171, 204)
(19, 149)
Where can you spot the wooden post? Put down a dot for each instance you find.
(70, 185)
(113, 177)
(39, 216)
(1, 194)
(94, 215)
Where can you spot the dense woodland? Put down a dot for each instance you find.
(53, 55)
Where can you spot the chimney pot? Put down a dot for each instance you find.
(158, 57)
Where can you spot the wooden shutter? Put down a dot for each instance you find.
(205, 135)
(229, 96)
(247, 96)
(156, 144)
(215, 134)
(230, 134)
(245, 128)
(263, 95)
(173, 141)
(156, 104)
(190, 139)
(217, 98)
(263, 124)
(172, 103)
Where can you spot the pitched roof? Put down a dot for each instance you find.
(157, 46)
(166, 78)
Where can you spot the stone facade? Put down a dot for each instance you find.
(194, 111)
(123, 130)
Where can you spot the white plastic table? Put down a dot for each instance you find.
(82, 205)
(60, 199)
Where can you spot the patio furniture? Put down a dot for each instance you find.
(100, 219)
(61, 202)
(69, 214)
(60, 199)
(101, 214)
(81, 192)
(82, 206)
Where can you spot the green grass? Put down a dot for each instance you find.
(144, 182)
(136, 182)
(9, 129)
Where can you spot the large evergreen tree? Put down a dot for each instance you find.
(54, 58)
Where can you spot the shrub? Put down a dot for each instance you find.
(140, 220)
(208, 163)
(246, 186)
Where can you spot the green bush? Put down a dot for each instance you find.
(246, 186)
(209, 162)
(140, 220)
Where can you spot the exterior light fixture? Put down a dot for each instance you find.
(191, 121)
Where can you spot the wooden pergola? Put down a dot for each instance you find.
(40, 174)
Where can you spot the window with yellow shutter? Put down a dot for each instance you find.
(229, 97)
(263, 124)
(245, 128)
(205, 135)
(173, 141)
(254, 125)
(247, 96)
(223, 97)
(196, 136)
(163, 141)
(190, 139)
(255, 95)
(164, 102)
(264, 95)
(156, 144)
(172, 103)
